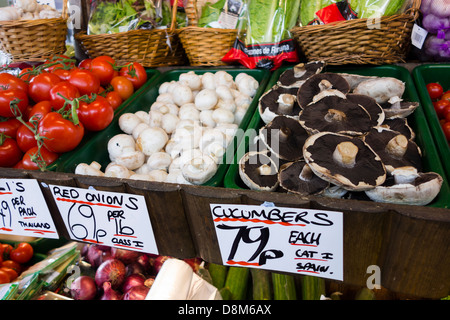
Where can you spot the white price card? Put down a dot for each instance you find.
(24, 211)
(293, 240)
(109, 218)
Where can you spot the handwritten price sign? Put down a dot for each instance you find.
(23, 210)
(301, 241)
(108, 218)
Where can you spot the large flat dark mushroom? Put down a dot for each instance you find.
(296, 76)
(400, 125)
(381, 89)
(394, 148)
(297, 177)
(258, 171)
(314, 85)
(344, 161)
(284, 137)
(335, 114)
(375, 111)
(398, 108)
(277, 101)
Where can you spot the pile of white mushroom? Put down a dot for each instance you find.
(28, 10)
(346, 130)
(183, 136)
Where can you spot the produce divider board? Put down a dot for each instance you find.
(423, 75)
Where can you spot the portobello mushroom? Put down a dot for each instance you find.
(381, 89)
(344, 161)
(278, 101)
(400, 125)
(369, 104)
(297, 177)
(258, 171)
(284, 137)
(296, 76)
(335, 114)
(398, 108)
(408, 186)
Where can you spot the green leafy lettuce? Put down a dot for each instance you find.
(376, 8)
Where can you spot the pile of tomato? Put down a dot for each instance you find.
(441, 103)
(13, 260)
(46, 110)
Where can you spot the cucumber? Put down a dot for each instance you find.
(283, 287)
(312, 287)
(261, 280)
(218, 274)
(237, 282)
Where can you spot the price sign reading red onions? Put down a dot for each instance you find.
(23, 210)
(109, 218)
(294, 240)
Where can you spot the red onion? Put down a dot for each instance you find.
(134, 267)
(112, 270)
(126, 256)
(95, 255)
(83, 288)
(109, 293)
(136, 293)
(159, 261)
(145, 262)
(132, 281)
(149, 282)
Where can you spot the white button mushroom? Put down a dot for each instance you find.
(137, 130)
(130, 158)
(191, 79)
(159, 160)
(206, 118)
(118, 142)
(165, 98)
(128, 121)
(206, 99)
(117, 171)
(221, 115)
(151, 140)
(189, 111)
(169, 122)
(92, 169)
(199, 169)
(223, 78)
(157, 175)
(182, 94)
(247, 84)
(208, 81)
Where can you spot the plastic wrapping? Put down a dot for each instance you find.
(113, 16)
(264, 39)
(378, 8)
(221, 14)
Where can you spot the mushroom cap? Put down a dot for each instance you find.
(394, 149)
(399, 108)
(401, 125)
(335, 114)
(284, 137)
(312, 86)
(419, 189)
(375, 111)
(297, 177)
(381, 89)
(269, 103)
(296, 76)
(344, 161)
(258, 171)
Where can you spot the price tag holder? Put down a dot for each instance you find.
(108, 218)
(24, 211)
(293, 240)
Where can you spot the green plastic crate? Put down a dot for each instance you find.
(423, 75)
(417, 121)
(152, 74)
(96, 148)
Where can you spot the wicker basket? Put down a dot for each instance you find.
(204, 46)
(34, 40)
(151, 48)
(353, 42)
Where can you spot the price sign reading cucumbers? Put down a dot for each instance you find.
(294, 240)
(107, 218)
(23, 210)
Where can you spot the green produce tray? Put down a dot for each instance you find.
(152, 74)
(423, 75)
(40, 245)
(417, 122)
(96, 148)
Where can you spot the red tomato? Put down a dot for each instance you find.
(33, 156)
(6, 249)
(103, 67)
(134, 72)
(13, 274)
(25, 137)
(446, 128)
(9, 127)
(27, 74)
(123, 87)
(13, 98)
(39, 87)
(64, 89)
(435, 90)
(40, 109)
(85, 64)
(8, 263)
(22, 253)
(62, 73)
(446, 95)
(59, 61)
(60, 134)
(86, 81)
(10, 152)
(9, 81)
(96, 115)
(4, 277)
(439, 107)
(114, 99)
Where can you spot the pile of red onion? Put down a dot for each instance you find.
(119, 274)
